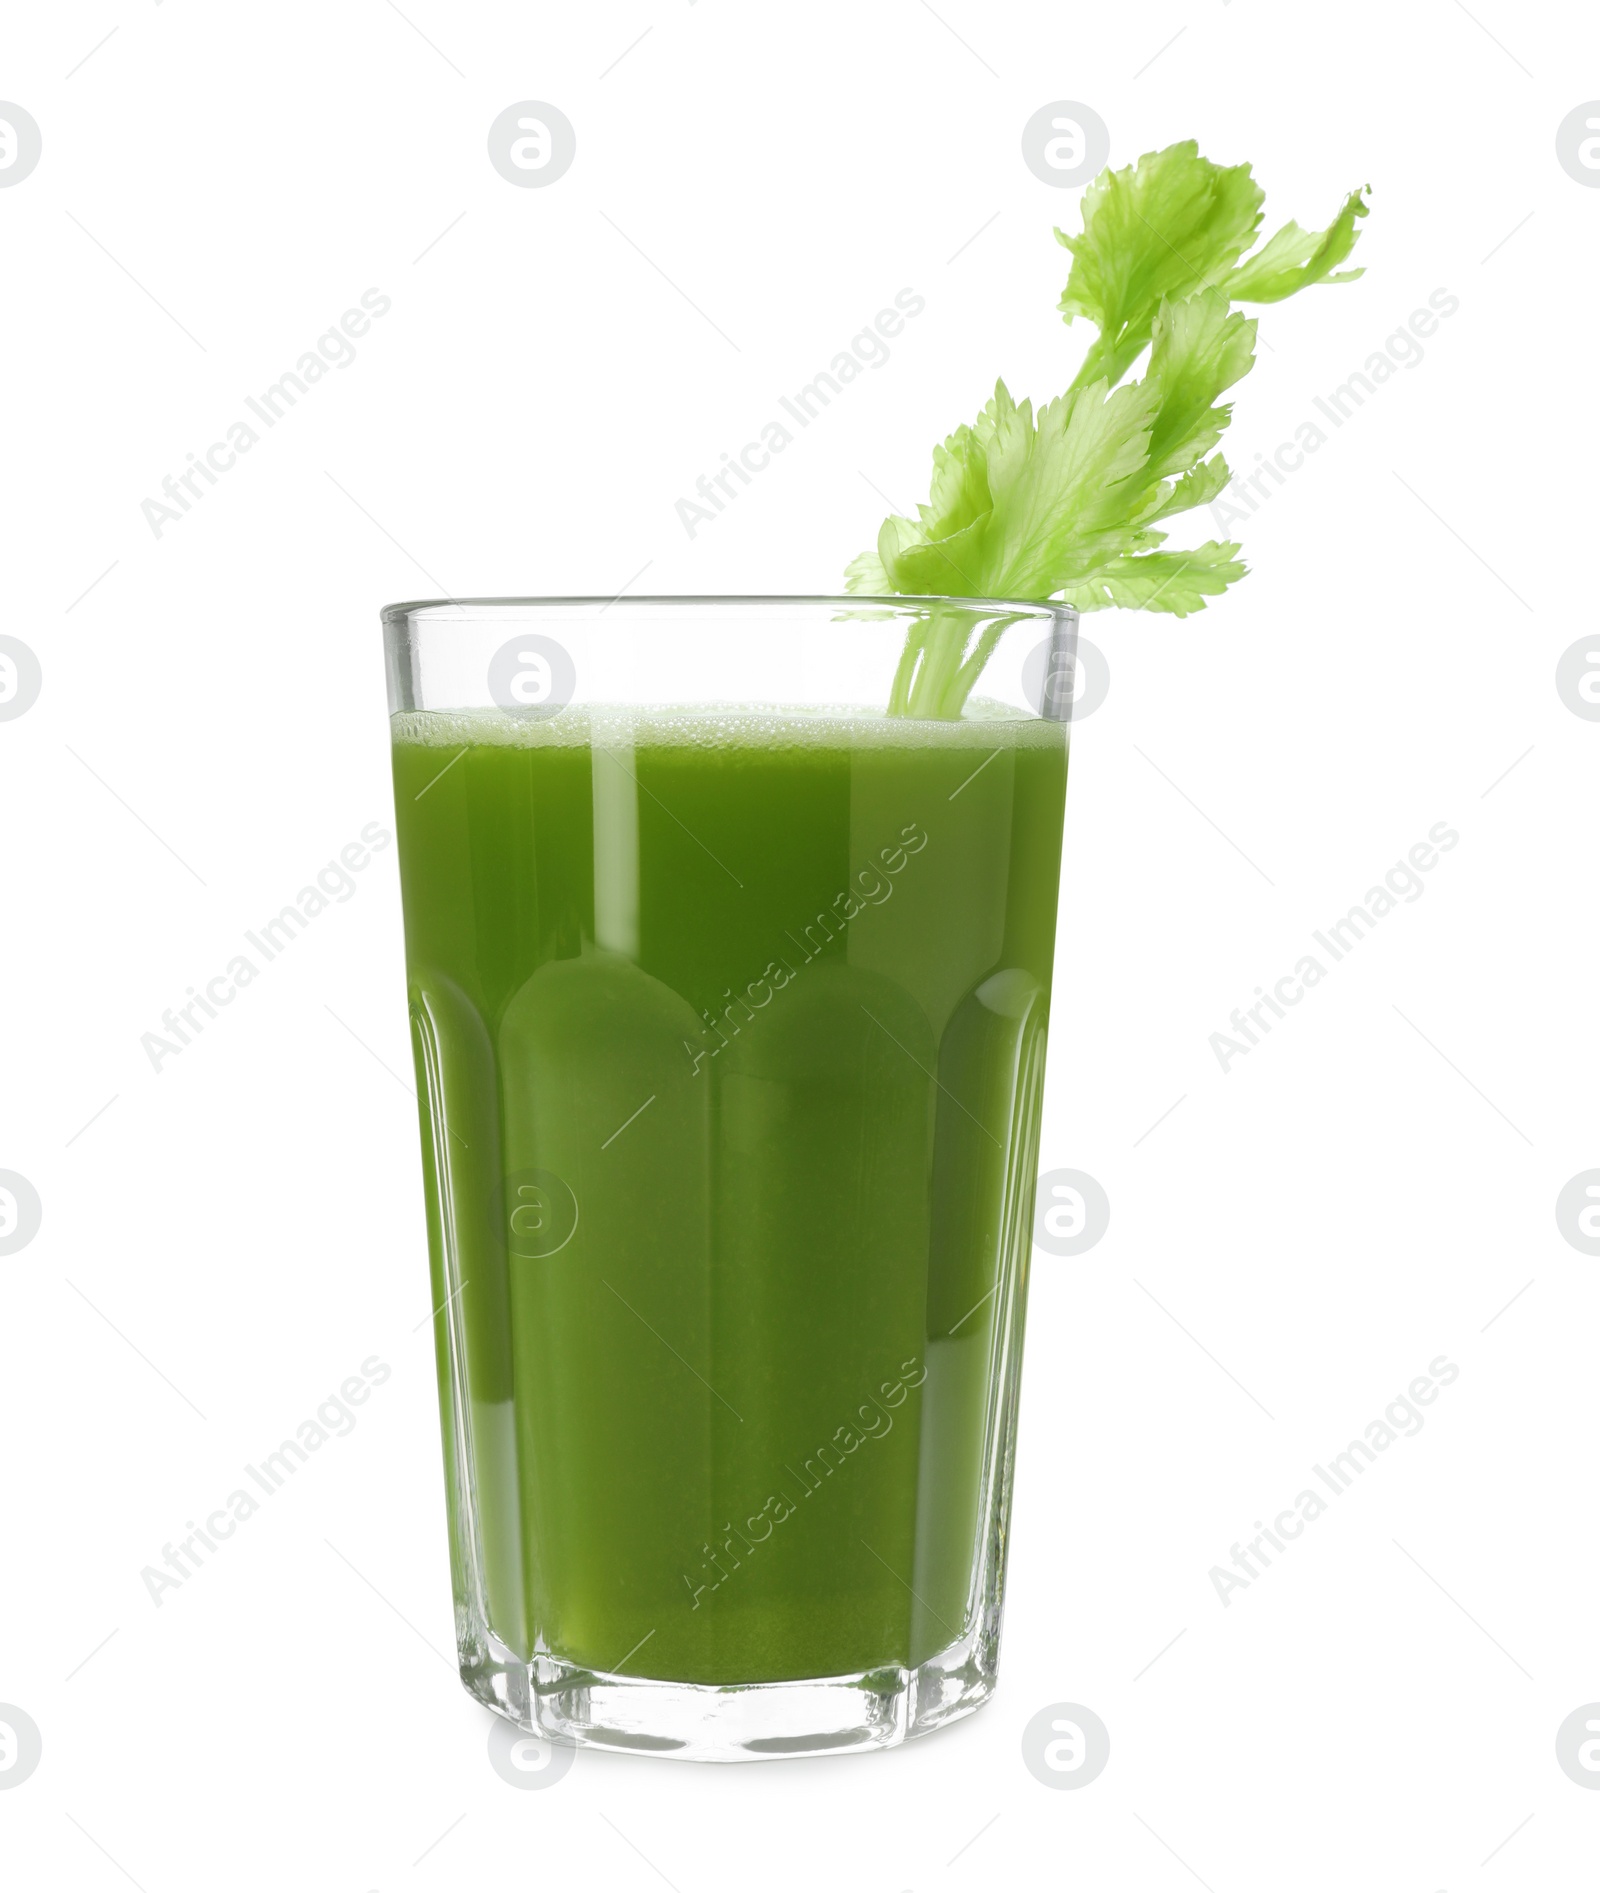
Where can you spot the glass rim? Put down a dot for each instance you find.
(441, 610)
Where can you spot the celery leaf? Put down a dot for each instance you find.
(1294, 259)
(1176, 582)
(1064, 503)
(1170, 225)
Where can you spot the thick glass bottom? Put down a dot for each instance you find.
(739, 1722)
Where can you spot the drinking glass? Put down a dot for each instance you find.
(728, 993)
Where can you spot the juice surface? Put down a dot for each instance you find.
(729, 1032)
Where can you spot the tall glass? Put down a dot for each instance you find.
(728, 997)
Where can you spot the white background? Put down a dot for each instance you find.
(1365, 1191)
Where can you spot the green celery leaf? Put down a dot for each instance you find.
(1177, 582)
(1065, 503)
(1295, 259)
(865, 573)
(951, 567)
(1198, 350)
(1170, 225)
(1023, 506)
(959, 493)
(1063, 485)
(1199, 487)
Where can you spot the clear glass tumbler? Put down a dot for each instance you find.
(729, 975)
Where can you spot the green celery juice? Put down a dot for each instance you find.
(729, 1030)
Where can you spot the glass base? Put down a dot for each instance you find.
(736, 1722)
